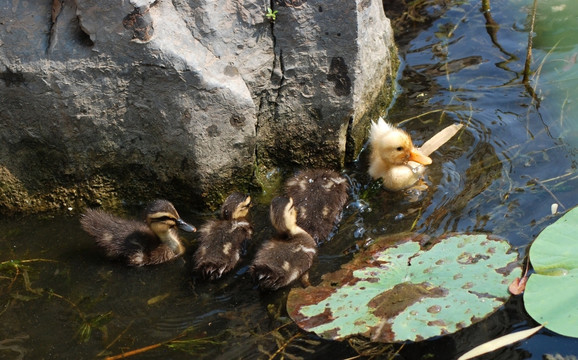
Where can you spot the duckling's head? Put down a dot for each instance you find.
(393, 146)
(283, 215)
(161, 217)
(236, 206)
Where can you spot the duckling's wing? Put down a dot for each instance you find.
(158, 254)
(220, 247)
(97, 222)
(118, 237)
(279, 262)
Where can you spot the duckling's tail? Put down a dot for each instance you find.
(105, 229)
(266, 277)
(211, 271)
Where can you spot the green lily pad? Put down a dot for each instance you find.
(551, 293)
(406, 287)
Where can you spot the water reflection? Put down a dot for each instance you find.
(499, 176)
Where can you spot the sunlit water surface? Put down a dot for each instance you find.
(515, 158)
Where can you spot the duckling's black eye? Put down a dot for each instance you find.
(399, 148)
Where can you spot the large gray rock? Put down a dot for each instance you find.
(106, 100)
(333, 61)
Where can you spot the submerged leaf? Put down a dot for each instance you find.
(551, 292)
(158, 299)
(398, 290)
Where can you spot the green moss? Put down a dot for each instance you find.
(359, 129)
(269, 181)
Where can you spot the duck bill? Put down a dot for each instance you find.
(185, 227)
(418, 157)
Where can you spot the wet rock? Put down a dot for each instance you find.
(178, 99)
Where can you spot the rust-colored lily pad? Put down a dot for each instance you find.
(407, 287)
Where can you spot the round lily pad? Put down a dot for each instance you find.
(551, 292)
(409, 288)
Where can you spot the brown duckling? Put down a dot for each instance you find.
(135, 242)
(288, 255)
(222, 241)
(319, 196)
(394, 158)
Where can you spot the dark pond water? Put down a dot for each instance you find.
(516, 157)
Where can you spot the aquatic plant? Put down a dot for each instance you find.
(271, 14)
(89, 323)
(193, 345)
(409, 287)
(551, 291)
(13, 270)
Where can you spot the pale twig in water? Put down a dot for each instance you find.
(135, 352)
(499, 343)
(418, 116)
(574, 177)
(144, 349)
(546, 189)
(175, 343)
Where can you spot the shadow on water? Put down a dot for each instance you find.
(500, 175)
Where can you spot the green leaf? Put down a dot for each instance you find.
(551, 292)
(400, 290)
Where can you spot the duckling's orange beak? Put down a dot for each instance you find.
(418, 157)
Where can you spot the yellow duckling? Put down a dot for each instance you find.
(391, 152)
(222, 241)
(135, 242)
(319, 196)
(288, 255)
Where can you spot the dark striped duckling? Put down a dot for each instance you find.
(288, 256)
(222, 241)
(138, 243)
(319, 196)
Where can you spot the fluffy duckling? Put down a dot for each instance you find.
(319, 197)
(288, 255)
(391, 150)
(135, 242)
(222, 241)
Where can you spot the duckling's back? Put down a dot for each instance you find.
(283, 260)
(220, 246)
(319, 197)
(118, 237)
